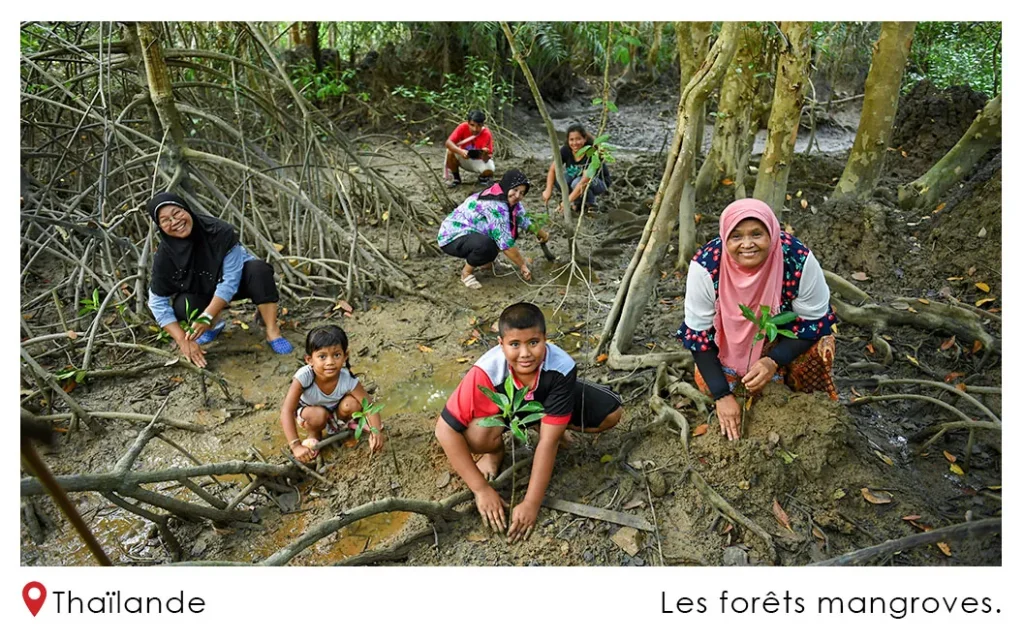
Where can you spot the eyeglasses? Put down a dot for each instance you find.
(176, 214)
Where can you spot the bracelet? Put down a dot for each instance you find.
(292, 442)
(205, 319)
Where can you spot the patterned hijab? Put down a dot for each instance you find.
(499, 191)
(191, 264)
(761, 285)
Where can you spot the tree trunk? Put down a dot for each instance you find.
(985, 133)
(655, 50)
(313, 42)
(296, 34)
(881, 97)
(162, 95)
(784, 123)
(687, 241)
(735, 108)
(651, 250)
(567, 222)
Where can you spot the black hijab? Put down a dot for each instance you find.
(193, 264)
(509, 181)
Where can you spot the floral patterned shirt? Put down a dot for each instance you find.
(487, 217)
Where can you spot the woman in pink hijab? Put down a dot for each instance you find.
(753, 262)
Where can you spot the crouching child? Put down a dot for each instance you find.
(549, 374)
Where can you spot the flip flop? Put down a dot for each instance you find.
(281, 345)
(471, 282)
(211, 334)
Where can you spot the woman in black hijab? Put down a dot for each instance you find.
(489, 222)
(199, 268)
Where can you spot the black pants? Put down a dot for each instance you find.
(257, 283)
(476, 249)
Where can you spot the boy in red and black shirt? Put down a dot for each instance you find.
(471, 147)
(549, 374)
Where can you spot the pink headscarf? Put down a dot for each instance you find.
(751, 287)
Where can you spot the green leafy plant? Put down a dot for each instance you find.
(362, 416)
(767, 327)
(90, 305)
(476, 87)
(511, 404)
(324, 84)
(70, 372)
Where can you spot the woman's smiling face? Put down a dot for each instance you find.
(576, 141)
(174, 221)
(748, 243)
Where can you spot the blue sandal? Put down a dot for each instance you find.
(281, 345)
(211, 334)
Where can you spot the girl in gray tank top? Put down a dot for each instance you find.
(323, 394)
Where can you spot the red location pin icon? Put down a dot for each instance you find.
(34, 604)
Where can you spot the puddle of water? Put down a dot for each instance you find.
(412, 381)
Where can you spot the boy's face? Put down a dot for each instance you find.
(523, 349)
(475, 127)
(327, 361)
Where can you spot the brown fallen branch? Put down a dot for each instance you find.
(178, 360)
(128, 416)
(601, 514)
(931, 317)
(970, 529)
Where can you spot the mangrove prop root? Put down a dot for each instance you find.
(970, 529)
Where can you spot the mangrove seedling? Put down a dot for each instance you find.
(90, 305)
(511, 404)
(362, 415)
(767, 327)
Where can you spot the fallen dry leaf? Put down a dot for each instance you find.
(983, 301)
(870, 348)
(945, 548)
(971, 270)
(780, 515)
(911, 517)
(743, 485)
(924, 301)
(602, 358)
(861, 276)
(343, 305)
(462, 359)
(818, 534)
(875, 498)
(476, 537)
(912, 359)
(700, 430)
(726, 181)
(72, 334)
(425, 349)
(885, 459)
(939, 208)
(259, 406)
(949, 457)
(635, 503)
(803, 203)
(983, 287)
(949, 342)
(976, 347)
(955, 278)
(953, 376)
(921, 526)
(789, 229)
(956, 469)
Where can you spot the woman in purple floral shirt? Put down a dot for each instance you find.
(489, 222)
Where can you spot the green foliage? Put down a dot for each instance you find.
(71, 372)
(362, 416)
(317, 86)
(538, 221)
(767, 325)
(956, 53)
(511, 404)
(90, 305)
(474, 88)
(599, 152)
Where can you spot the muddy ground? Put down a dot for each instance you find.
(811, 456)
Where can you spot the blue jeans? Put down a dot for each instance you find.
(594, 189)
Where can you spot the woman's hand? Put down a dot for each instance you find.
(197, 329)
(524, 271)
(192, 352)
(546, 196)
(543, 235)
(760, 374)
(729, 416)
